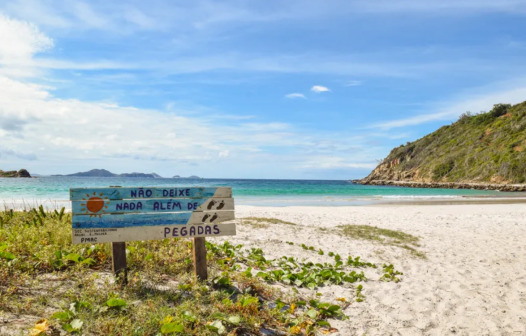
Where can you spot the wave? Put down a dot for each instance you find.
(421, 196)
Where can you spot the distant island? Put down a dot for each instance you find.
(479, 151)
(106, 173)
(14, 173)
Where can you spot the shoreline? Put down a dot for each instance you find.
(391, 201)
(467, 201)
(516, 187)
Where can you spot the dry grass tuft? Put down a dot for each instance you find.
(384, 236)
(263, 222)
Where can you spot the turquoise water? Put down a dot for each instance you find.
(251, 192)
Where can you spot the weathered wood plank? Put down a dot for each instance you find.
(105, 235)
(149, 192)
(101, 206)
(199, 249)
(119, 265)
(133, 220)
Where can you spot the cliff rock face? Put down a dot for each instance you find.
(388, 171)
(483, 148)
(14, 173)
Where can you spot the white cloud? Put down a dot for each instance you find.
(353, 83)
(80, 133)
(87, 14)
(58, 133)
(452, 110)
(332, 162)
(24, 40)
(240, 62)
(319, 89)
(70, 130)
(210, 15)
(13, 153)
(31, 117)
(443, 7)
(82, 130)
(295, 95)
(20, 40)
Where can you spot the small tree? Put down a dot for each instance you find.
(499, 110)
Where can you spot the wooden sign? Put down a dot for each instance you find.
(118, 215)
(103, 215)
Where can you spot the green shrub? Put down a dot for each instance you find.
(499, 110)
(465, 117)
(443, 169)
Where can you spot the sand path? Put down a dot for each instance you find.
(473, 281)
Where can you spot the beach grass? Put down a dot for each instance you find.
(384, 236)
(263, 222)
(55, 287)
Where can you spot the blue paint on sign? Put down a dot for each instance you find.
(131, 220)
(101, 206)
(150, 192)
(108, 208)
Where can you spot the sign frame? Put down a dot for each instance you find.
(120, 214)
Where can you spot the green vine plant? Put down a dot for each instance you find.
(238, 300)
(291, 271)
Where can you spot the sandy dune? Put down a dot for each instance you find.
(473, 281)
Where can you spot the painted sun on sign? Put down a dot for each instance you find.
(95, 204)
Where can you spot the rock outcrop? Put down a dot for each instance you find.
(446, 185)
(14, 173)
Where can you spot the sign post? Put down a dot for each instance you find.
(119, 266)
(118, 215)
(199, 247)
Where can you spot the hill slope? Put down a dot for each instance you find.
(487, 147)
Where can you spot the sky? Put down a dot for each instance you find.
(318, 89)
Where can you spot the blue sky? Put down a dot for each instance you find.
(250, 89)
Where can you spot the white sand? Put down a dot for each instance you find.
(473, 281)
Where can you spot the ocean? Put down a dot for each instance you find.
(54, 191)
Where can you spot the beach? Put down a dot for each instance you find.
(472, 281)
(462, 264)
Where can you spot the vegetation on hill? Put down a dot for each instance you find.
(485, 147)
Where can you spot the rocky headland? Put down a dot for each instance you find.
(14, 173)
(445, 185)
(485, 151)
